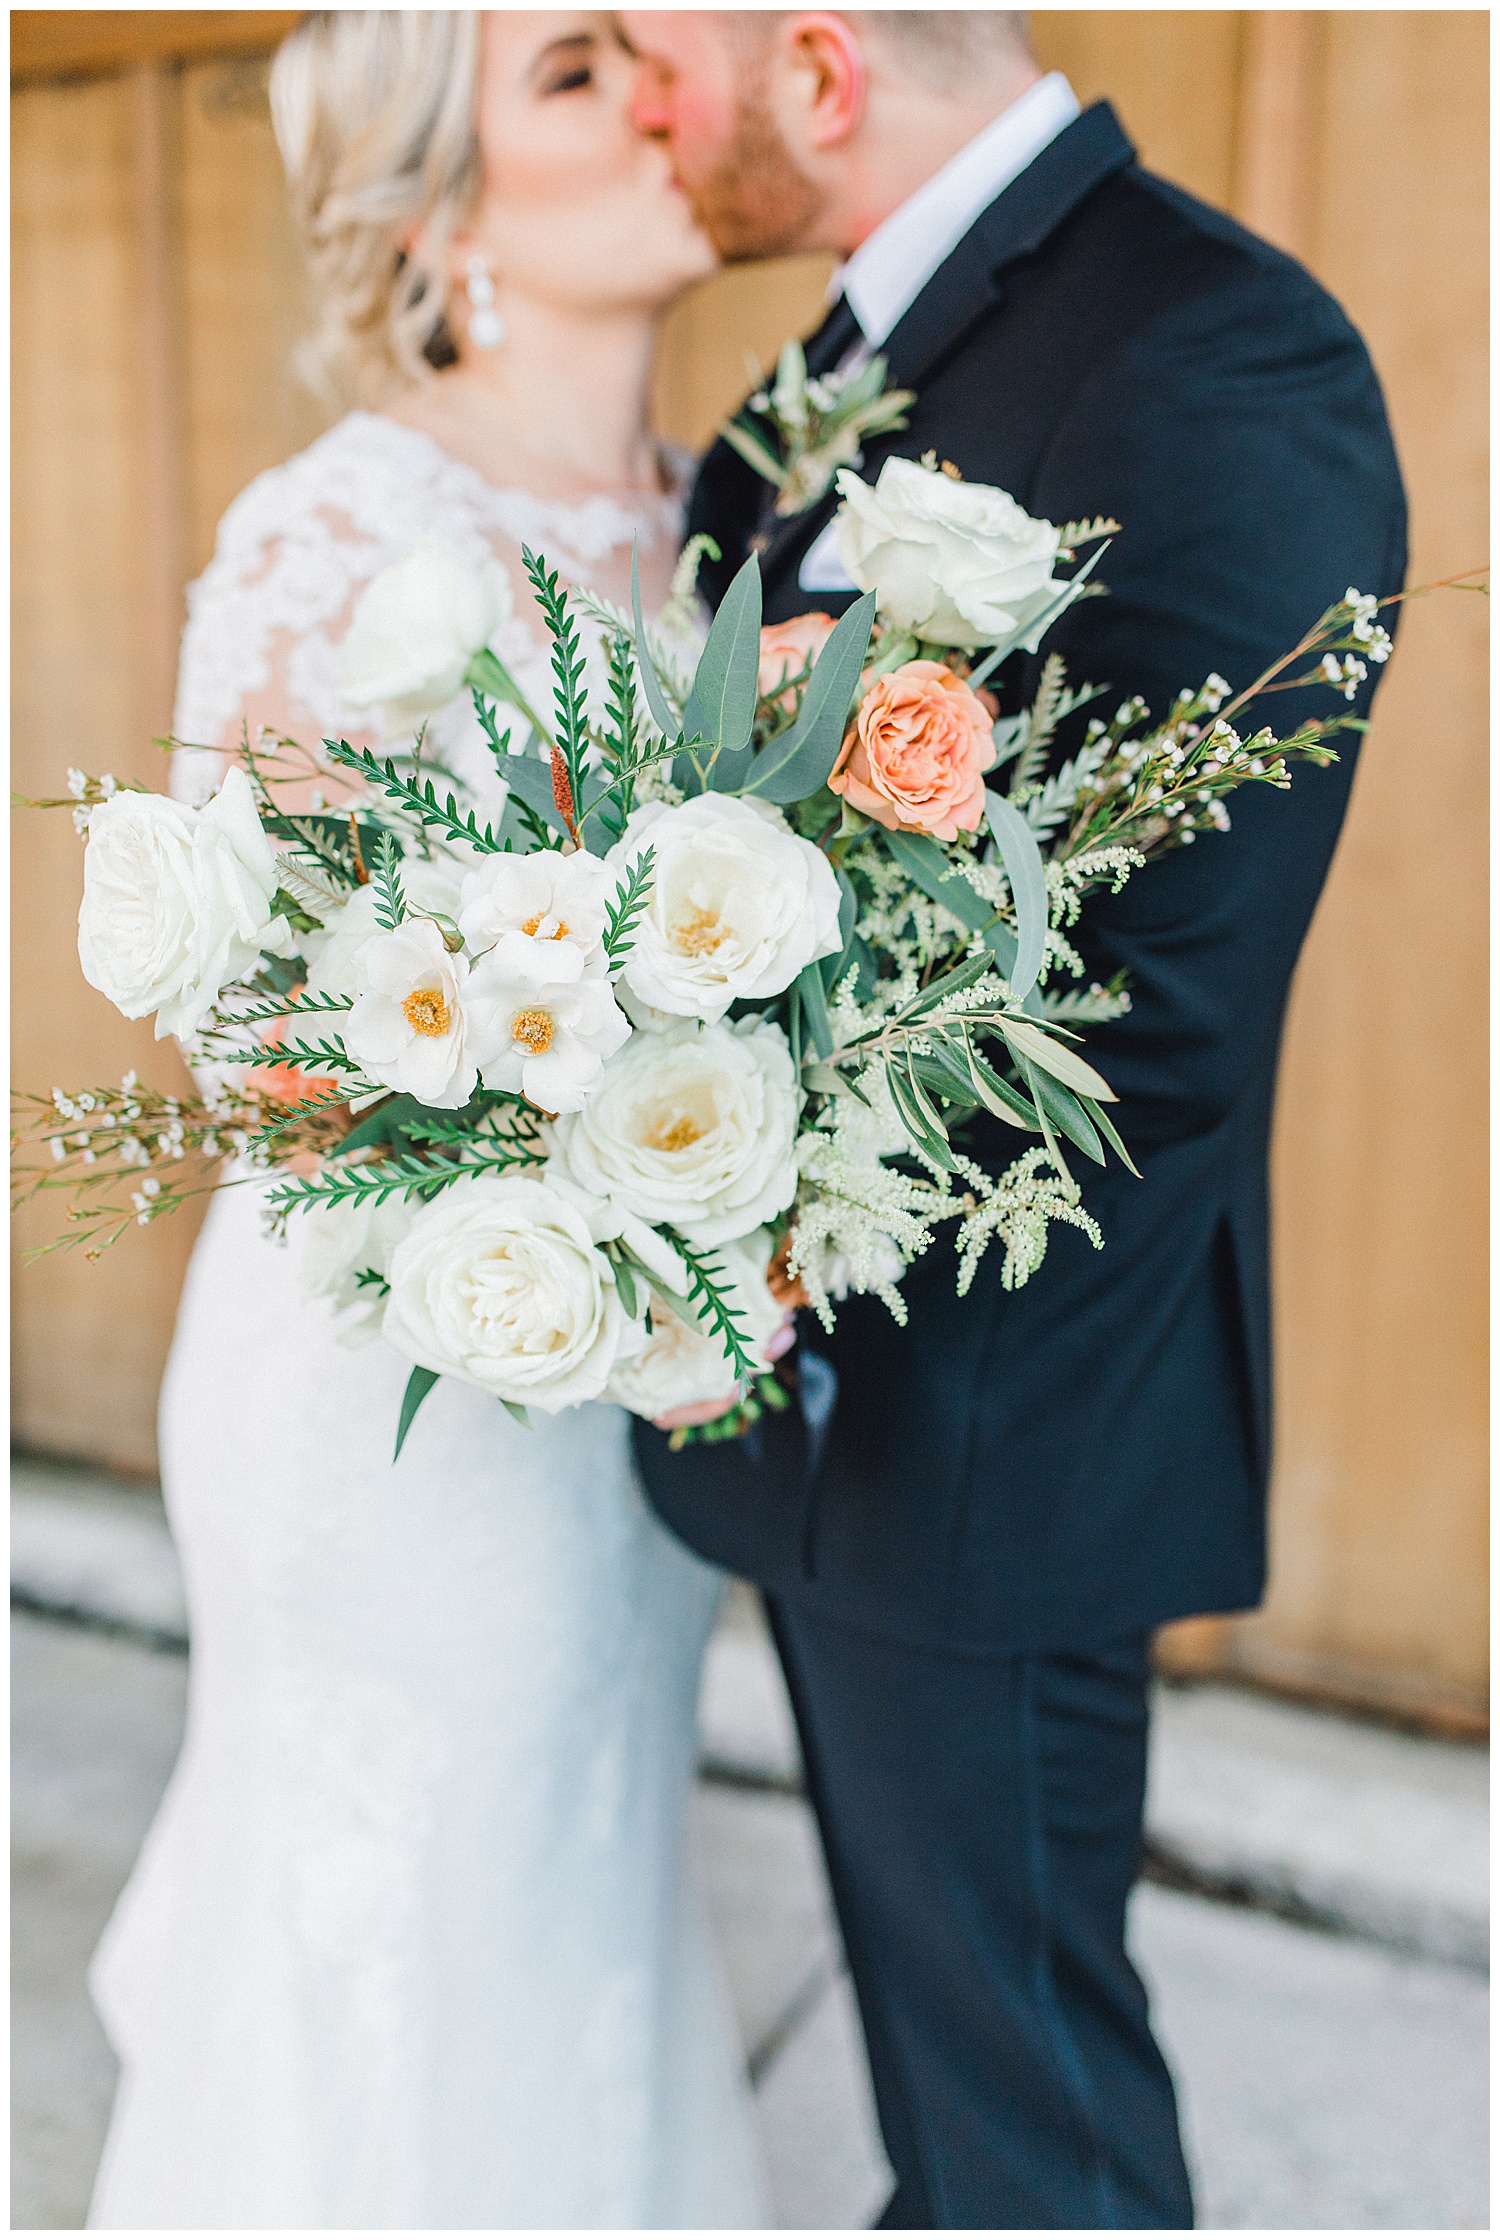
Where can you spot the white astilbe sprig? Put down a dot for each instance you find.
(1016, 1207)
(859, 1222)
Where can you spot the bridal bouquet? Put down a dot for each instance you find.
(567, 1105)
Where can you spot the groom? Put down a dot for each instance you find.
(1018, 1487)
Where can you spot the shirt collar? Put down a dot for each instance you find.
(888, 271)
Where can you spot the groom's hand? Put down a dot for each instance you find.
(708, 1411)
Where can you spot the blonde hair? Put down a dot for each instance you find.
(374, 110)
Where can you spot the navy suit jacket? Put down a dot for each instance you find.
(1065, 1464)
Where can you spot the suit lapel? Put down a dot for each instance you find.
(965, 288)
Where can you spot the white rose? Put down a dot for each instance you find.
(738, 904)
(341, 1243)
(539, 1024)
(329, 955)
(408, 1028)
(176, 902)
(544, 902)
(498, 1284)
(955, 563)
(416, 627)
(694, 1126)
(681, 1363)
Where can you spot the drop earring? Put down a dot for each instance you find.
(486, 327)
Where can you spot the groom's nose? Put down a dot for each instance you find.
(651, 99)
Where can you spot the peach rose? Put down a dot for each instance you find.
(915, 756)
(787, 647)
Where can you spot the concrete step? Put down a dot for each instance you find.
(1322, 1819)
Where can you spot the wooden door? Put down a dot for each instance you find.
(156, 293)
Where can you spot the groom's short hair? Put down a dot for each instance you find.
(940, 47)
(945, 46)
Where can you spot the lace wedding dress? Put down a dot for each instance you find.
(415, 1940)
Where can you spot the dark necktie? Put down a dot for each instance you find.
(837, 335)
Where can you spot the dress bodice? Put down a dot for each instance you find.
(299, 544)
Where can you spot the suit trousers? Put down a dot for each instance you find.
(981, 1817)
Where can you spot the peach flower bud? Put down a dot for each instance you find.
(786, 648)
(915, 756)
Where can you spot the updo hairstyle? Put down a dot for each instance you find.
(374, 111)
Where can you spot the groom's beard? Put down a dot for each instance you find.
(756, 203)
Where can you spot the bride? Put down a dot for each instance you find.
(415, 1941)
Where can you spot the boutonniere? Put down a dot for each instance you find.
(800, 431)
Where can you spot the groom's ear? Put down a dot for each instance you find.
(820, 64)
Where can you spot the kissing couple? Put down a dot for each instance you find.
(416, 1941)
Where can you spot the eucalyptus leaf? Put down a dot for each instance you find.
(802, 759)
(721, 706)
(1027, 1041)
(827, 1081)
(754, 453)
(531, 782)
(998, 1096)
(625, 1283)
(418, 1385)
(923, 1102)
(1054, 1149)
(1109, 1131)
(1027, 639)
(836, 963)
(1027, 874)
(1067, 1114)
(814, 1001)
(383, 1123)
(926, 1138)
(656, 700)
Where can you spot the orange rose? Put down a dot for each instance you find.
(787, 647)
(915, 756)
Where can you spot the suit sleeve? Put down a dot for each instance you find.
(1241, 440)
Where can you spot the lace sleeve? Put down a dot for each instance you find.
(265, 620)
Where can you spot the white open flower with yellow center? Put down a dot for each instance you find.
(540, 1024)
(408, 1028)
(556, 902)
(739, 903)
(692, 1126)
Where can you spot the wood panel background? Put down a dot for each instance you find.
(156, 294)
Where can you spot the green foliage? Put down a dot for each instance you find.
(567, 667)
(656, 699)
(406, 1174)
(420, 797)
(720, 708)
(418, 1385)
(623, 913)
(1028, 886)
(708, 1292)
(390, 895)
(800, 760)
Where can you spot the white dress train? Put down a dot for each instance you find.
(415, 1940)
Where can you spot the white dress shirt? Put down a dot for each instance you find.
(888, 271)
